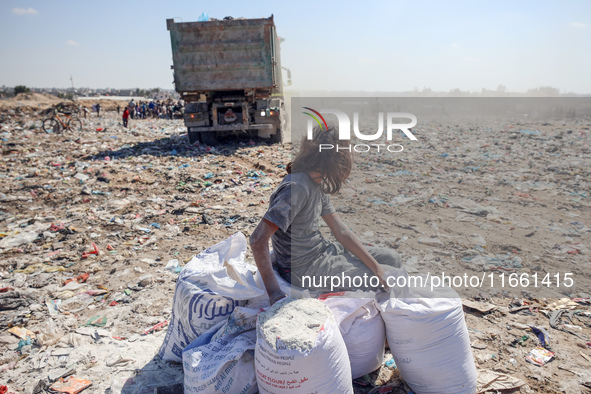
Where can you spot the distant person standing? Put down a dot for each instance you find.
(98, 110)
(118, 109)
(85, 111)
(131, 108)
(125, 117)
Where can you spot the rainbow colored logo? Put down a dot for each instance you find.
(315, 118)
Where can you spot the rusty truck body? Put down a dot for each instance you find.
(229, 74)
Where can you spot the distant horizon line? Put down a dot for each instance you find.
(536, 92)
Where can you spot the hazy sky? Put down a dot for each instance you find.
(332, 45)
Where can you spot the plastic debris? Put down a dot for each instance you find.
(539, 356)
(498, 200)
(156, 327)
(21, 332)
(492, 381)
(97, 321)
(93, 252)
(71, 385)
(520, 341)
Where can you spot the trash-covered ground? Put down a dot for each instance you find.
(95, 227)
(494, 199)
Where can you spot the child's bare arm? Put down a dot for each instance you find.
(259, 243)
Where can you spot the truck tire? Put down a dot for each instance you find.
(282, 129)
(193, 137)
(278, 136)
(208, 138)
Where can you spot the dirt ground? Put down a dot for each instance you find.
(502, 201)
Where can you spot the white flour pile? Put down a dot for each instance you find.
(296, 322)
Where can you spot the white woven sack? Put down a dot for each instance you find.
(428, 337)
(208, 289)
(363, 331)
(324, 368)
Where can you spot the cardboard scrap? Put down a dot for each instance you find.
(72, 385)
(563, 303)
(494, 381)
(478, 345)
(539, 356)
(21, 332)
(482, 307)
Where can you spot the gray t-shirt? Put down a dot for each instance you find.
(296, 207)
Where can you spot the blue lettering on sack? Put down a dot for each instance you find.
(182, 335)
(177, 351)
(208, 305)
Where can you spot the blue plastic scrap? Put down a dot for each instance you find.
(542, 335)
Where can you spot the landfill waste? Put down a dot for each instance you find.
(492, 381)
(71, 385)
(21, 332)
(520, 341)
(525, 195)
(539, 356)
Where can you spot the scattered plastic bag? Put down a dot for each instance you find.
(49, 333)
(491, 381)
(97, 321)
(18, 239)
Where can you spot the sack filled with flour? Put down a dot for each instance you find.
(300, 349)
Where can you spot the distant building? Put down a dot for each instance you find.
(160, 96)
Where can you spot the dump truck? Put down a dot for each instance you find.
(229, 74)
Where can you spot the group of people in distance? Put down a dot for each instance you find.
(150, 109)
(142, 109)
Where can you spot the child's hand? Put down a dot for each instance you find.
(276, 296)
(381, 274)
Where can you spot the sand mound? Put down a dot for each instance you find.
(36, 97)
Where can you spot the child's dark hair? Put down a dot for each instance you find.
(334, 164)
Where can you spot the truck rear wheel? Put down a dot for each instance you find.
(193, 137)
(208, 138)
(282, 129)
(278, 136)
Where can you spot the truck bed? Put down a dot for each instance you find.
(225, 55)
